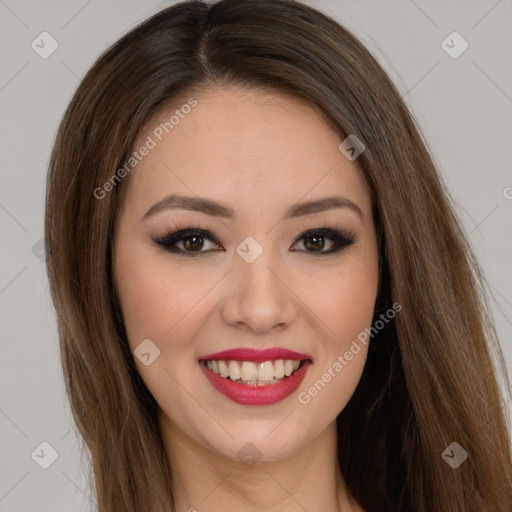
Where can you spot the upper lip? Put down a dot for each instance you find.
(256, 355)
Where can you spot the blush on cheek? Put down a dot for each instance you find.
(157, 308)
(344, 310)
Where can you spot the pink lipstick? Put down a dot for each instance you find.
(257, 356)
(247, 394)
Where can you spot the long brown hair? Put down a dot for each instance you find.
(429, 379)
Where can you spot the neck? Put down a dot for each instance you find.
(308, 479)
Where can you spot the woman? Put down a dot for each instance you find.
(264, 298)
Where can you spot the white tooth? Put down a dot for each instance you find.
(288, 367)
(234, 370)
(279, 369)
(265, 371)
(296, 365)
(249, 371)
(215, 367)
(223, 368)
(209, 365)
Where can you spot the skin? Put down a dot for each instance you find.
(259, 154)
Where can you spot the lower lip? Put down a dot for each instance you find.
(256, 395)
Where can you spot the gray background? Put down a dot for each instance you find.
(463, 105)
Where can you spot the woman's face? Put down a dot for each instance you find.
(252, 278)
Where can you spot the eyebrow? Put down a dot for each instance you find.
(217, 209)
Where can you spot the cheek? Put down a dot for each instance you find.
(329, 390)
(345, 310)
(349, 307)
(345, 306)
(164, 307)
(343, 298)
(156, 303)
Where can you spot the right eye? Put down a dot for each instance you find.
(192, 240)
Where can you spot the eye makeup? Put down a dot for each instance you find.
(169, 240)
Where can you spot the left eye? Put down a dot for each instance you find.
(315, 241)
(193, 241)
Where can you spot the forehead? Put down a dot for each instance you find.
(246, 148)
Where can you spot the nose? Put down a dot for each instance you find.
(258, 296)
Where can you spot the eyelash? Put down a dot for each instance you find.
(342, 239)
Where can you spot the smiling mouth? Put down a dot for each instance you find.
(250, 373)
